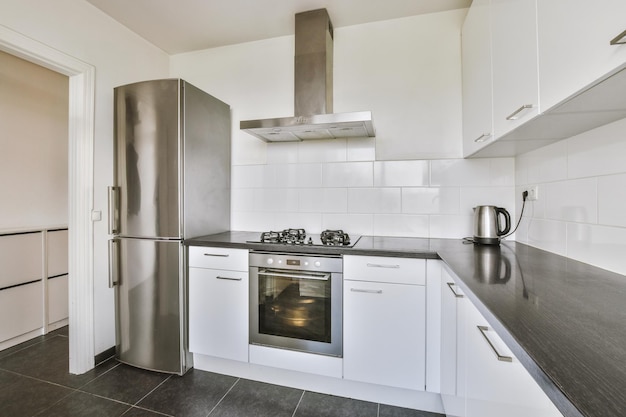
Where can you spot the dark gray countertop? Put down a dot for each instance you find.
(564, 320)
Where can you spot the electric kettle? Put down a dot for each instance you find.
(488, 228)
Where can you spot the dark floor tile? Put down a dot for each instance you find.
(194, 394)
(141, 412)
(7, 378)
(48, 360)
(125, 383)
(390, 411)
(79, 404)
(27, 397)
(321, 405)
(251, 398)
(21, 346)
(61, 331)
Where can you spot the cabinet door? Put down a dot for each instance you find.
(574, 44)
(384, 334)
(497, 386)
(451, 395)
(477, 78)
(218, 313)
(514, 48)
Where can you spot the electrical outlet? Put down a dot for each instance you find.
(533, 193)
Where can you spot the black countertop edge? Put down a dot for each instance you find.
(563, 319)
(399, 247)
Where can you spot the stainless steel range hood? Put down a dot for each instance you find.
(313, 104)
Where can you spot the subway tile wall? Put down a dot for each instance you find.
(581, 210)
(338, 184)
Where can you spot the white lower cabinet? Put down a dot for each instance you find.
(485, 379)
(452, 366)
(218, 304)
(384, 321)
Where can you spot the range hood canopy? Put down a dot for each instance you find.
(313, 102)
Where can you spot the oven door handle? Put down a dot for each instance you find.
(283, 275)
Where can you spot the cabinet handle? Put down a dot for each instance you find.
(619, 39)
(515, 114)
(219, 255)
(482, 137)
(366, 291)
(382, 266)
(482, 330)
(228, 278)
(456, 294)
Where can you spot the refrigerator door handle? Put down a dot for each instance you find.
(113, 210)
(113, 264)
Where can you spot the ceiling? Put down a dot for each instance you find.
(188, 25)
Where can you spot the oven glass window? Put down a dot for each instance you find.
(295, 304)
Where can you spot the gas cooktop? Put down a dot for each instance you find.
(299, 237)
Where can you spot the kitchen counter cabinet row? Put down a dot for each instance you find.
(379, 348)
(390, 338)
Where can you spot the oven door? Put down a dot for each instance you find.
(297, 310)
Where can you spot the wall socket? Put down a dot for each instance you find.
(533, 193)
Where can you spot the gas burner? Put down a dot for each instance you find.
(335, 238)
(288, 236)
(298, 237)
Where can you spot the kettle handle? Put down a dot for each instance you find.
(507, 220)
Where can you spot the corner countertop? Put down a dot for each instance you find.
(563, 319)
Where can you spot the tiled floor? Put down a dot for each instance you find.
(34, 381)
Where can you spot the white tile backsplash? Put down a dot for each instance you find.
(612, 200)
(431, 200)
(338, 184)
(572, 200)
(401, 225)
(581, 211)
(600, 151)
(348, 174)
(401, 173)
(374, 200)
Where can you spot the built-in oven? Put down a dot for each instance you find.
(296, 302)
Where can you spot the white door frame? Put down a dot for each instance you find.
(81, 161)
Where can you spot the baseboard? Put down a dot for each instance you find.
(103, 356)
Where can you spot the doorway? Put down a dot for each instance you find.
(80, 186)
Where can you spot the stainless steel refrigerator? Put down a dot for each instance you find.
(171, 182)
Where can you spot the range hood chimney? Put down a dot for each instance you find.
(313, 102)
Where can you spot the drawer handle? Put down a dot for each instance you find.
(482, 137)
(456, 294)
(515, 114)
(382, 266)
(503, 358)
(219, 255)
(619, 39)
(228, 278)
(366, 291)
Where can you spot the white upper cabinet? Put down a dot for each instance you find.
(574, 44)
(477, 78)
(515, 78)
(558, 69)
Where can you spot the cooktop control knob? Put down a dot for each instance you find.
(270, 261)
(317, 264)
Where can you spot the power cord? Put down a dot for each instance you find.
(524, 197)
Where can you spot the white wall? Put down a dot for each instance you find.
(408, 72)
(33, 138)
(581, 210)
(120, 57)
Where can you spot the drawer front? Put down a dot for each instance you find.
(218, 258)
(384, 269)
